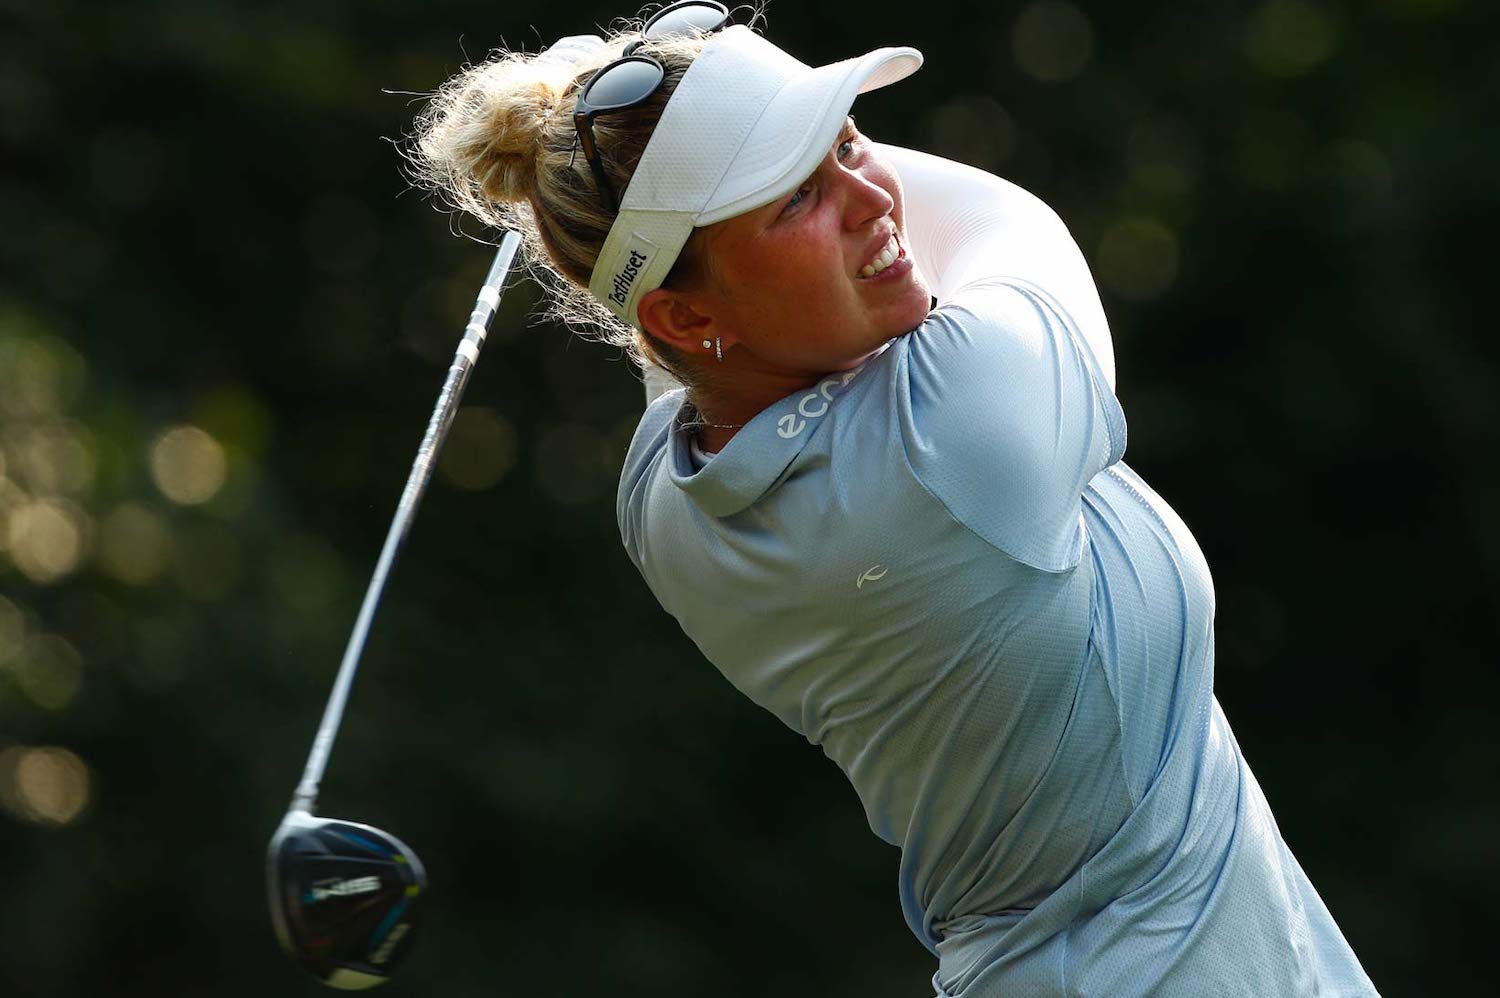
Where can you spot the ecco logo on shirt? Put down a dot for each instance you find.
(812, 405)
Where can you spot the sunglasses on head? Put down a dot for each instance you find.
(630, 80)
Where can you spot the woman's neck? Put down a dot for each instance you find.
(724, 409)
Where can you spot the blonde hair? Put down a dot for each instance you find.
(498, 142)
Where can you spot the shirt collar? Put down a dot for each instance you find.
(753, 460)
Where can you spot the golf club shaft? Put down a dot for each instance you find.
(464, 359)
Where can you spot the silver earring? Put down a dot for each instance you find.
(718, 349)
(707, 345)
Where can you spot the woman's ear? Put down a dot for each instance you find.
(667, 316)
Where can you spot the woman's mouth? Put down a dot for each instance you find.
(883, 259)
(890, 262)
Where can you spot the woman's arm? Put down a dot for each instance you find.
(967, 227)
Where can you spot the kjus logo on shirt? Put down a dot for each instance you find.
(812, 405)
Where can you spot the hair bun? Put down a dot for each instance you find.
(480, 137)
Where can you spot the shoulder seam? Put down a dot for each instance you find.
(916, 476)
(1032, 291)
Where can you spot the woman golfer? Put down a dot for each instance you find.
(903, 528)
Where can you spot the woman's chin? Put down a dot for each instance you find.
(915, 306)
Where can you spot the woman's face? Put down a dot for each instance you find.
(793, 289)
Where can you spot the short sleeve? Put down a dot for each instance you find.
(1007, 417)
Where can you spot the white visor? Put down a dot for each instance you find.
(747, 124)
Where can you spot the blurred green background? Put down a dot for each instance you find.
(223, 323)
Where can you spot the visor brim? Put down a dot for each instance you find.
(798, 126)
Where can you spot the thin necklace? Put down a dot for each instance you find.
(692, 424)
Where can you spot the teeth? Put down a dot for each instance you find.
(883, 260)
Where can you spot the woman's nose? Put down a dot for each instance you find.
(865, 199)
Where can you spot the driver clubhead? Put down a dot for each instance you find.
(343, 898)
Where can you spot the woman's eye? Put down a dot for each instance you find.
(846, 148)
(797, 198)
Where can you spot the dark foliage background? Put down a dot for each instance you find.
(223, 322)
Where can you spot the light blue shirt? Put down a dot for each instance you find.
(938, 569)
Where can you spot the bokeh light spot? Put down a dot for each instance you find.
(133, 545)
(973, 129)
(12, 498)
(1289, 37)
(480, 450)
(188, 465)
(39, 374)
(1138, 258)
(49, 671)
(1052, 41)
(47, 785)
(12, 630)
(52, 456)
(46, 538)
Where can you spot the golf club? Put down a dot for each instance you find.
(344, 895)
